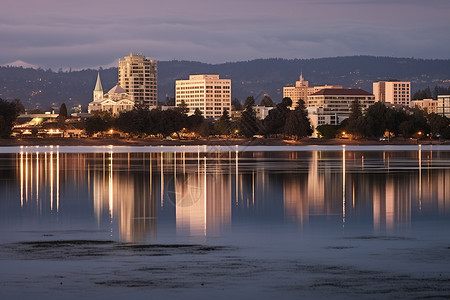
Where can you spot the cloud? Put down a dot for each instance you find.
(81, 34)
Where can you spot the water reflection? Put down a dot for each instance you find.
(201, 194)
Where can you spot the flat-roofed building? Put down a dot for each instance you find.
(210, 94)
(302, 90)
(332, 106)
(138, 76)
(443, 105)
(395, 92)
(429, 105)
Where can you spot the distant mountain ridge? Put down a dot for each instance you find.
(45, 88)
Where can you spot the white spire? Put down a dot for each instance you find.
(98, 85)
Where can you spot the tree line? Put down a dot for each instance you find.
(142, 122)
(428, 94)
(380, 120)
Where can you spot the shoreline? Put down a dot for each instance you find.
(200, 142)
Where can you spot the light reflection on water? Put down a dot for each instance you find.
(132, 196)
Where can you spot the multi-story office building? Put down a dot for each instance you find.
(138, 76)
(429, 105)
(302, 90)
(332, 106)
(395, 92)
(210, 94)
(443, 105)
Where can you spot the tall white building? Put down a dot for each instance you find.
(210, 94)
(302, 90)
(395, 92)
(138, 76)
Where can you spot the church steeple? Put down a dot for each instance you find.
(98, 90)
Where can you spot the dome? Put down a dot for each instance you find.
(117, 89)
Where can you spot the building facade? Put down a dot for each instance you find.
(332, 106)
(443, 105)
(115, 101)
(138, 76)
(429, 105)
(395, 92)
(210, 94)
(302, 90)
(262, 111)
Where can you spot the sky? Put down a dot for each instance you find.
(92, 33)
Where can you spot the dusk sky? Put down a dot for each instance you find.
(81, 33)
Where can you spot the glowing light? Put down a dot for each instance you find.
(343, 185)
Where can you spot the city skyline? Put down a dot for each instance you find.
(61, 34)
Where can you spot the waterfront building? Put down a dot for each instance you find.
(115, 101)
(210, 94)
(138, 76)
(302, 90)
(443, 105)
(394, 92)
(429, 105)
(332, 106)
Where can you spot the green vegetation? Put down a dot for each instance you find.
(267, 101)
(8, 115)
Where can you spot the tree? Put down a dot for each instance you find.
(297, 123)
(237, 106)
(183, 107)
(438, 124)
(249, 101)
(355, 122)
(195, 122)
(267, 101)
(275, 121)
(9, 112)
(19, 106)
(422, 94)
(327, 131)
(375, 120)
(63, 111)
(223, 125)
(248, 124)
(98, 122)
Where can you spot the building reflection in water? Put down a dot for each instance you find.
(201, 192)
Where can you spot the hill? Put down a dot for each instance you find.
(46, 88)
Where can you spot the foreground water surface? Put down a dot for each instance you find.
(373, 209)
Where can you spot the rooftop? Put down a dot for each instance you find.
(342, 92)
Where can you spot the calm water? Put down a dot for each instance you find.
(266, 222)
(209, 196)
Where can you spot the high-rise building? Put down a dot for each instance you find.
(395, 92)
(302, 90)
(210, 94)
(138, 76)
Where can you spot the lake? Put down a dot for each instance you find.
(205, 221)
